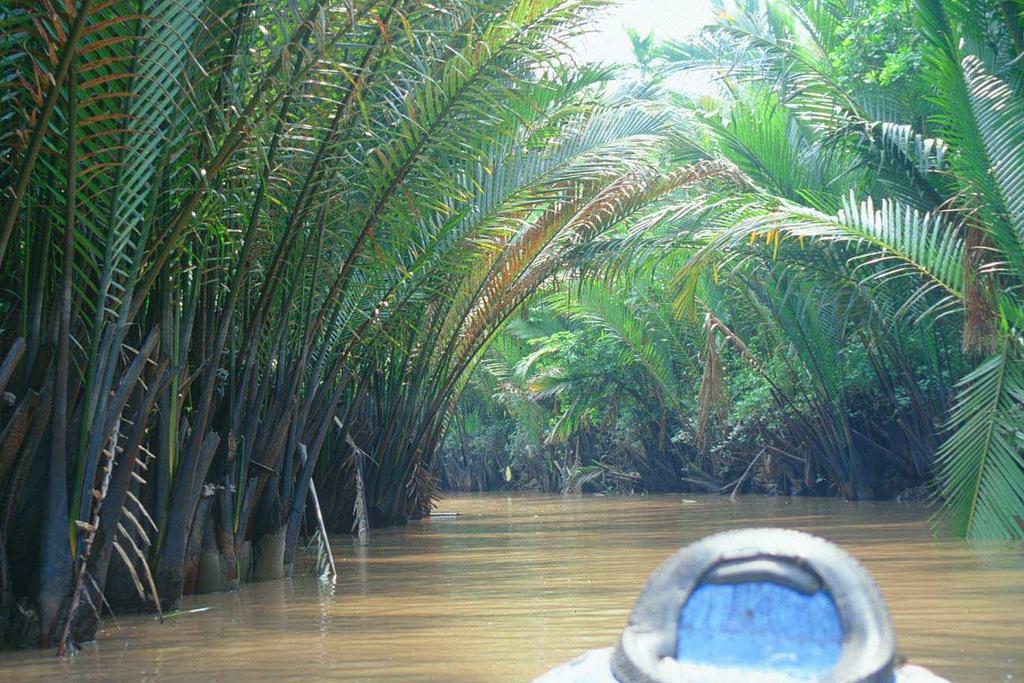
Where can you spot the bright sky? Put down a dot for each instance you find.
(666, 19)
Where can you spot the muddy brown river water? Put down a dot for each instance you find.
(518, 584)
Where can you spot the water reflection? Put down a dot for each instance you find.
(518, 584)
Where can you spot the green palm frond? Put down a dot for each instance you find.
(888, 241)
(925, 154)
(597, 305)
(999, 113)
(979, 117)
(982, 463)
(573, 419)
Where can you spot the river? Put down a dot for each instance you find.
(517, 584)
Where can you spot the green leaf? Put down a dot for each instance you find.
(982, 463)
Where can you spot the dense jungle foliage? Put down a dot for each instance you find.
(246, 245)
(832, 310)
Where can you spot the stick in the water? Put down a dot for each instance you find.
(319, 517)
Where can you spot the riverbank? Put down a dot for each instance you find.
(521, 582)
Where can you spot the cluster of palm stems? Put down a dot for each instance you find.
(247, 242)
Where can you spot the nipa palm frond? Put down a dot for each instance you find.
(982, 463)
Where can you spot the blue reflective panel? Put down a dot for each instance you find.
(762, 627)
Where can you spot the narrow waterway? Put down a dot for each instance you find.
(518, 584)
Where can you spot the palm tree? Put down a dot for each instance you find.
(918, 220)
(253, 223)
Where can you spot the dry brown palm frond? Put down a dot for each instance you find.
(980, 335)
(86, 542)
(422, 489)
(360, 512)
(142, 509)
(141, 556)
(711, 397)
(130, 566)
